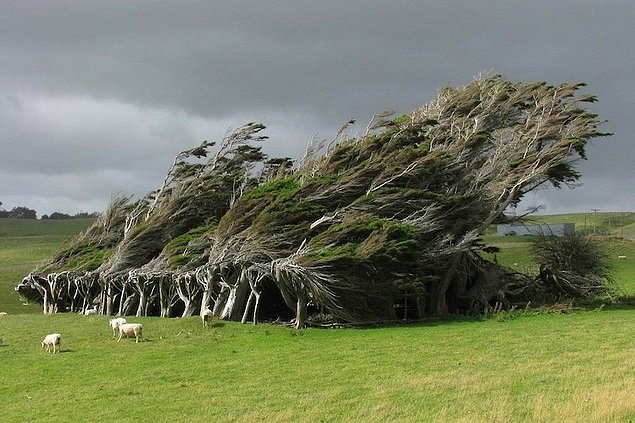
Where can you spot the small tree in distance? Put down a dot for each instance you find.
(572, 266)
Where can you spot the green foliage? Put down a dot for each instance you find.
(188, 247)
(87, 256)
(571, 252)
(282, 187)
(386, 245)
(285, 212)
(401, 119)
(348, 250)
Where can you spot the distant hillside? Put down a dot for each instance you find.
(25, 243)
(34, 227)
(621, 224)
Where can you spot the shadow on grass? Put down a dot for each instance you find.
(216, 324)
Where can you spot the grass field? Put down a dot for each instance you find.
(608, 223)
(521, 366)
(23, 244)
(576, 367)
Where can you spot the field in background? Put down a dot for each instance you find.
(24, 243)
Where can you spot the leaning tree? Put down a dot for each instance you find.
(379, 226)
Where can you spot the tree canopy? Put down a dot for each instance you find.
(19, 212)
(379, 226)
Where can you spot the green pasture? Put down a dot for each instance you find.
(11, 228)
(24, 243)
(621, 224)
(544, 367)
(513, 366)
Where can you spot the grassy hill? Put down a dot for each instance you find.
(515, 253)
(23, 244)
(59, 229)
(621, 224)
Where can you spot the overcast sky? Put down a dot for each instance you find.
(96, 97)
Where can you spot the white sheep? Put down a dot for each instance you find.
(206, 316)
(114, 324)
(52, 340)
(129, 329)
(90, 311)
(3, 313)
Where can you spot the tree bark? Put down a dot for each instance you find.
(250, 300)
(301, 310)
(109, 299)
(438, 300)
(221, 300)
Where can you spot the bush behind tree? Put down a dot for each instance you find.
(572, 266)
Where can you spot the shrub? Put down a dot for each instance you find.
(572, 266)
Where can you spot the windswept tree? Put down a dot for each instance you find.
(402, 208)
(382, 226)
(572, 266)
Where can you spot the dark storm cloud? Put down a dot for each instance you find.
(90, 88)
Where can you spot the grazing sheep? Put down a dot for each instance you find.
(3, 313)
(90, 311)
(52, 340)
(129, 329)
(114, 324)
(621, 257)
(206, 316)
